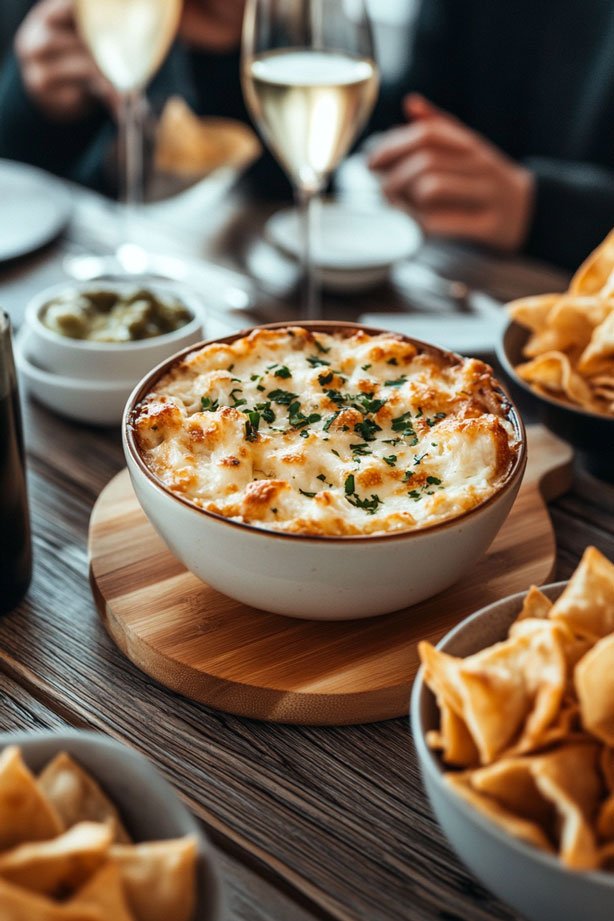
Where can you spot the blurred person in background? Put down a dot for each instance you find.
(509, 138)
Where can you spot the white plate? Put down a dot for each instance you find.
(349, 238)
(34, 208)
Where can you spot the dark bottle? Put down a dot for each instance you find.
(15, 543)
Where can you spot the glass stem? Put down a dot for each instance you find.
(131, 141)
(308, 202)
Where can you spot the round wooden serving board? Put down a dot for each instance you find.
(215, 650)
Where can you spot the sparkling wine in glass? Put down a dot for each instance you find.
(310, 83)
(128, 40)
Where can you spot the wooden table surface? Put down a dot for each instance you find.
(307, 823)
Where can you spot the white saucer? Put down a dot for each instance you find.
(353, 246)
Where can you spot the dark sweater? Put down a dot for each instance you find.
(534, 76)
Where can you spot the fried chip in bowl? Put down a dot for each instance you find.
(534, 820)
(66, 854)
(595, 274)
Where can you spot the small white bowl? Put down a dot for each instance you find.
(149, 806)
(353, 248)
(91, 401)
(536, 884)
(124, 361)
(318, 578)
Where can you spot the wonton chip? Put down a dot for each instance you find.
(518, 827)
(599, 353)
(605, 820)
(587, 603)
(59, 866)
(77, 797)
(535, 604)
(159, 878)
(104, 890)
(594, 273)
(454, 740)
(558, 791)
(594, 678)
(570, 325)
(18, 904)
(533, 312)
(25, 814)
(554, 373)
(513, 688)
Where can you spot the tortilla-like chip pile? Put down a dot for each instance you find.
(571, 346)
(528, 723)
(66, 856)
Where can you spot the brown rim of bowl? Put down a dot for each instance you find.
(506, 361)
(325, 326)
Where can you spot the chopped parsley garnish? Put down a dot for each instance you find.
(237, 401)
(336, 396)
(367, 429)
(324, 379)
(403, 424)
(297, 419)
(369, 505)
(330, 420)
(349, 485)
(261, 388)
(396, 383)
(332, 450)
(320, 347)
(433, 481)
(366, 367)
(321, 476)
(283, 397)
(361, 449)
(208, 404)
(392, 361)
(365, 403)
(316, 362)
(391, 461)
(304, 433)
(267, 413)
(419, 458)
(283, 372)
(230, 367)
(309, 495)
(415, 495)
(407, 476)
(431, 422)
(255, 377)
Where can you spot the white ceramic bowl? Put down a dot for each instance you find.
(119, 361)
(319, 578)
(91, 401)
(149, 806)
(534, 883)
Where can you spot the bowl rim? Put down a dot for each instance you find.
(330, 326)
(92, 385)
(189, 298)
(510, 370)
(430, 763)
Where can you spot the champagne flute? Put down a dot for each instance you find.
(128, 40)
(310, 83)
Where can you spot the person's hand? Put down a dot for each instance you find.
(212, 24)
(455, 182)
(58, 71)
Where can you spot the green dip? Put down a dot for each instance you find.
(103, 315)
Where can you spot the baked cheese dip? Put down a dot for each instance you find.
(333, 434)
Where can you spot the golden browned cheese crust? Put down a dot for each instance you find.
(328, 434)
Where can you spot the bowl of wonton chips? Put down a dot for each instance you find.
(559, 350)
(513, 721)
(89, 831)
